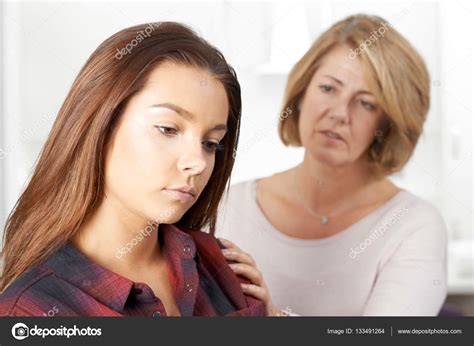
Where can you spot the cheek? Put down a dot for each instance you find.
(363, 133)
(119, 181)
(206, 175)
(137, 169)
(132, 163)
(311, 112)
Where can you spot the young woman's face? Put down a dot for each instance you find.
(339, 117)
(165, 142)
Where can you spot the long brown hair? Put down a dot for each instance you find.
(68, 181)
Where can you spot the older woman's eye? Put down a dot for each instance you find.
(326, 88)
(166, 130)
(367, 105)
(212, 147)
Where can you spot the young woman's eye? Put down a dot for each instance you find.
(326, 88)
(212, 147)
(367, 105)
(166, 130)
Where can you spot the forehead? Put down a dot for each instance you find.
(338, 63)
(191, 88)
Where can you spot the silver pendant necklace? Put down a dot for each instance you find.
(324, 219)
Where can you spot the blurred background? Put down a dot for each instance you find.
(44, 44)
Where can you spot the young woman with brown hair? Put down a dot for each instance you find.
(134, 167)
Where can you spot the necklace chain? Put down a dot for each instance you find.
(323, 218)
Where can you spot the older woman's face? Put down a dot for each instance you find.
(339, 117)
(162, 153)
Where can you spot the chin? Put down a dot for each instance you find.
(166, 214)
(328, 157)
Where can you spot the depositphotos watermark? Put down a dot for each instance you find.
(285, 312)
(262, 133)
(21, 331)
(51, 312)
(141, 36)
(142, 234)
(26, 135)
(374, 36)
(380, 231)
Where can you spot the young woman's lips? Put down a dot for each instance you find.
(179, 195)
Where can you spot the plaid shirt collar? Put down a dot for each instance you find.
(113, 290)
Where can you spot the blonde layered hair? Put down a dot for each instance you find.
(396, 74)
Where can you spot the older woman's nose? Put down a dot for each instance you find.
(340, 114)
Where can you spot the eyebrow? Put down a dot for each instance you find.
(342, 84)
(186, 114)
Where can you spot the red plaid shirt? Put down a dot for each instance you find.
(70, 284)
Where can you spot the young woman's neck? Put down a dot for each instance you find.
(115, 238)
(326, 185)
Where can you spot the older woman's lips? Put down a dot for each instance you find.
(332, 136)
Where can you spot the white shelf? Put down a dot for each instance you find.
(461, 267)
(459, 287)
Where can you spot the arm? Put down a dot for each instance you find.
(412, 279)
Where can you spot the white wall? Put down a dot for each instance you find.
(2, 138)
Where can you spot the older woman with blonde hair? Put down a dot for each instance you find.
(333, 235)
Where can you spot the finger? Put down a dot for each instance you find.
(248, 271)
(238, 256)
(228, 244)
(255, 291)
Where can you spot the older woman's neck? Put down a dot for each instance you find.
(330, 184)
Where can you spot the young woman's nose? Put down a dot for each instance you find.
(192, 160)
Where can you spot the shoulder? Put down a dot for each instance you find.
(23, 296)
(211, 258)
(237, 201)
(246, 190)
(205, 241)
(239, 191)
(416, 223)
(209, 251)
(420, 212)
